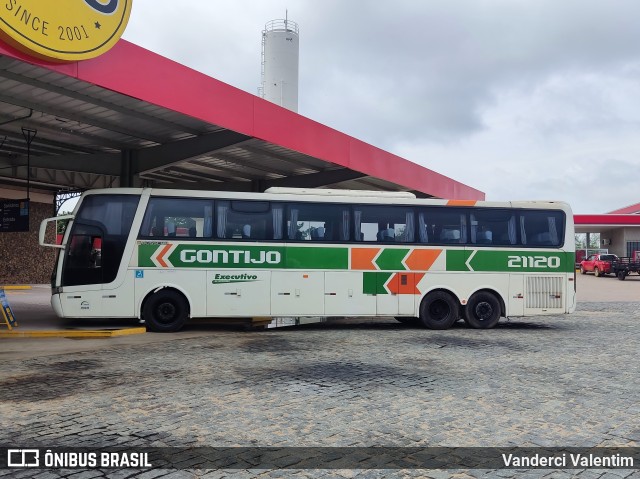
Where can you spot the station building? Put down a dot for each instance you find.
(619, 229)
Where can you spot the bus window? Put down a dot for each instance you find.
(493, 227)
(318, 222)
(177, 217)
(442, 225)
(542, 228)
(384, 224)
(249, 220)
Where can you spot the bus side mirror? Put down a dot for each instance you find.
(43, 230)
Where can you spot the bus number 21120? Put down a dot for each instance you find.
(541, 262)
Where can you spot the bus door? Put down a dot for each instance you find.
(93, 257)
(82, 273)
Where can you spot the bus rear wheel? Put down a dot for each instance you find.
(439, 310)
(165, 311)
(482, 310)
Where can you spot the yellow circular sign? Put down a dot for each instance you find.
(63, 30)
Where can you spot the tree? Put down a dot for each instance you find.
(61, 225)
(581, 241)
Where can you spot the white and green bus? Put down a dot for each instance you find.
(167, 256)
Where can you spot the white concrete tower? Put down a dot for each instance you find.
(280, 52)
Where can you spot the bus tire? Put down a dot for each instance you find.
(596, 271)
(165, 311)
(482, 310)
(439, 310)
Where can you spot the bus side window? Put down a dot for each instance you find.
(249, 220)
(178, 217)
(443, 225)
(542, 228)
(384, 224)
(493, 226)
(317, 222)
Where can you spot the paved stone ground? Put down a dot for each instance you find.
(555, 381)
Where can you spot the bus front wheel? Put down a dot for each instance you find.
(165, 311)
(482, 311)
(439, 310)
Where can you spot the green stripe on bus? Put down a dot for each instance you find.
(317, 258)
(373, 282)
(528, 261)
(189, 255)
(390, 259)
(145, 251)
(369, 283)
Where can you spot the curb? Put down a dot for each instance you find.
(13, 287)
(76, 333)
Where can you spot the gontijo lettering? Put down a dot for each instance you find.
(64, 30)
(230, 256)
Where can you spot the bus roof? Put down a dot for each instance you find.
(278, 190)
(332, 196)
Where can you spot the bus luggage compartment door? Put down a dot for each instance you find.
(345, 295)
(297, 293)
(238, 293)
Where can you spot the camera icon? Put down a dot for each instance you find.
(23, 458)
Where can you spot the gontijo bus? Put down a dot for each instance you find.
(166, 256)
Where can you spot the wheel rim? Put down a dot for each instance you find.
(439, 310)
(166, 313)
(484, 311)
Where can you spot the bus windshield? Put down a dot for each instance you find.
(98, 238)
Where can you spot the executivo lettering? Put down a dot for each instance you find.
(234, 278)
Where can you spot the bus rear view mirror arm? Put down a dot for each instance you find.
(43, 230)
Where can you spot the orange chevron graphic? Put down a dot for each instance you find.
(422, 259)
(461, 202)
(362, 258)
(160, 256)
(404, 283)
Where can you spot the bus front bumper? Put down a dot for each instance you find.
(56, 304)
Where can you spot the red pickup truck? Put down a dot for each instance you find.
(599, 264)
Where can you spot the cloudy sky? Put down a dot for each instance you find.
(520, 99)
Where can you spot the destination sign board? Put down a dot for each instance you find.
(14, 216)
